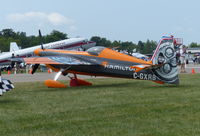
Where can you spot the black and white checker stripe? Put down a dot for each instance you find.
(5, 85)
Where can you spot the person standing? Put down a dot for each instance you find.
(182, 58)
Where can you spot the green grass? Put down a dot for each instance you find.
(110, 107)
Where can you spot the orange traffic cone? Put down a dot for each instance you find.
(49, 71)
(193, 71)
(9, 72)
(30, 71)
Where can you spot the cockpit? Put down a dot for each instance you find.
(95, 50)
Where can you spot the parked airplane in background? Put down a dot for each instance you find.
(101, 61)
(17, 53)
(69, 44)
(140, 56)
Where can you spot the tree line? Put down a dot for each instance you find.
(143, 47)
(194, 45)
(24, 41)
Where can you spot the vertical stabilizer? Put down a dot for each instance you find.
(165, 55)
(14, 47)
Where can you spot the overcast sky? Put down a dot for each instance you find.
(125, 20)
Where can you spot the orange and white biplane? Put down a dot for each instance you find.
(101, 61)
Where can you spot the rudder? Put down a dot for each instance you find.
(165, 55)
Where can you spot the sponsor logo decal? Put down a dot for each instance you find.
(118, 67)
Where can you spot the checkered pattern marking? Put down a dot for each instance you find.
(5, 85)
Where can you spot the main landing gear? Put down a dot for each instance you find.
(74, 81)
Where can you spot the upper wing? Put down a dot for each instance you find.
(60, 60)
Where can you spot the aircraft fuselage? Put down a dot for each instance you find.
(108, 68)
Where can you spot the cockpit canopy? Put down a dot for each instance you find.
(95, 50)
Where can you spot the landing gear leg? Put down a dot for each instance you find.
(54, 83)
(57, 75)
(74, 81)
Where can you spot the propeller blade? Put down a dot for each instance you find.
(40, 35)
(35, 67)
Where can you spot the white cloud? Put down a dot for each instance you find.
(57, 19)
(42, 18)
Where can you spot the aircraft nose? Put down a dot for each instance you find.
(37, 51)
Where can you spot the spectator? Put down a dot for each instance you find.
(182, 58)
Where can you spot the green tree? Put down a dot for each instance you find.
(101, 41)
(8, 33)
(140, 47)
(55, 36)
(194, 45)
(149, 47)
(5, 43)
(128, 46)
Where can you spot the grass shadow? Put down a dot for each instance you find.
(9, 101)
(78, 88)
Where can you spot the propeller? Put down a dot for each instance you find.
(35, 67)
(40, 36)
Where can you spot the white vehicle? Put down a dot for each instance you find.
(140, 56)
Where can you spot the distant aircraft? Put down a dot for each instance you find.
(101, 61)
(140, 56)
(69, 44)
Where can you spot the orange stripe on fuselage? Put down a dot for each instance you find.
(110, 54)
(106, 53)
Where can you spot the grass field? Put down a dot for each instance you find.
(111, 107)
